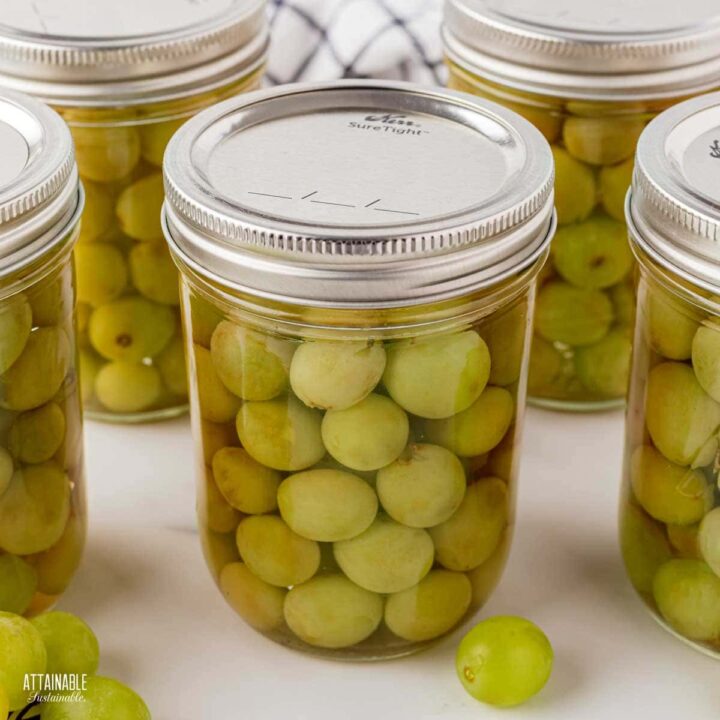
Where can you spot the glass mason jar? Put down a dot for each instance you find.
(358, 264)
(125, 79)
(590, 79)
(42, 488)
(670, 504)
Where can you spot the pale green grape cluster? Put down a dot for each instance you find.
(345, 497)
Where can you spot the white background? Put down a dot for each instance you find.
(165, 630)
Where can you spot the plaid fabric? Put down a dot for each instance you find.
(327, 39)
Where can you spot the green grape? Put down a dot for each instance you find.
(438, 377)
(687, 593)
(128, 387)
(282, 433)
(15, 327)
(575, 189)
(602, 140)
(257, 602)
(604, 368)
(37, 375)
(622, 297)
(276, 554)
(154, 138)
(106, 154)
(368, 435)
(615, 181)
(220, 549)
(430, 609)
(72, 648)
(478, 429)
(172, 366)
(51, 300)
(505, 337)
(644, 547)
(387, 557)
(680, 417)
(546, 366)
(484, 578)
(18, 582)
(217, 403)
(336, 375)
(246, 484)
(99, 214)
(138, 208)
(56, 567)
(131, 329)
(706, 359)
(571, 315)
(330, 611)
(708, 540)
(204, 318)
(327, 505)
(7, 467)
(154, 274)
(670, 328)
(36, 435)
(504, 661)
(668, 492)
(103, 699)
(471, 535)
(684, 538)
(216, 436)
(214, 510)
(423, 487)
(22, 653)
(4, 703)
(594, 254)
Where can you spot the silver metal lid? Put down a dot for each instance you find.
(113, 52)
(358, 193)
(38, 180)
(674, 206)
(588, 49)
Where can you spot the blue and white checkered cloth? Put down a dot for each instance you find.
(315, 40)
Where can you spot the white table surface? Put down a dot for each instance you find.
(165, 630)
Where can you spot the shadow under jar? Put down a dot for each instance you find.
(670, 504)
(358, 264)
(590, 77)
(125, 76)
(42, 489)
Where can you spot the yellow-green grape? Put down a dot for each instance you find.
(154, 138)
(131, 329)
(671, 328)
(708, 540)
(622, 297)
(684, 538)
(257, 602)
(438, 377)
(706, 359)
(246, 484)
(430, 609)
(471, 535)
(423, 487)
(571, 315)
(72, 648)
(274, 553)
(484, 578)
(546, 366)
(219, 549)
(387, 557)
(614, 183)
(282, 433)
(22, 653)
(602, 140)
(90, 363)
(368, 435)
(217, 403)
(172, 366)
(204, 318)
(336, 375)
(7, 467)
(128, 387)
(214, 510)
(668, 492)
(36, 376)
(101, 273)
(680, 416)
(251, 365)
(216, 436)
(99, 213)
(478, 429)
(687, 593)
(15, 326)
(56, 567)
(154, 274)
(106, 154)
(330, 611)
(575, 188)
(36, 435)
(505, 338)
(4, 703)
(138, 208)
(592, 254)
(327, 505)
(644, 547)
(18, 582)
(501, 461)
(604, 368)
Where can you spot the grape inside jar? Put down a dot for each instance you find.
(358, 353)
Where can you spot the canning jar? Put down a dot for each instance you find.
(670, 503)
(357, 263)
(125, 76)
(590, 76)
(42, 493)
